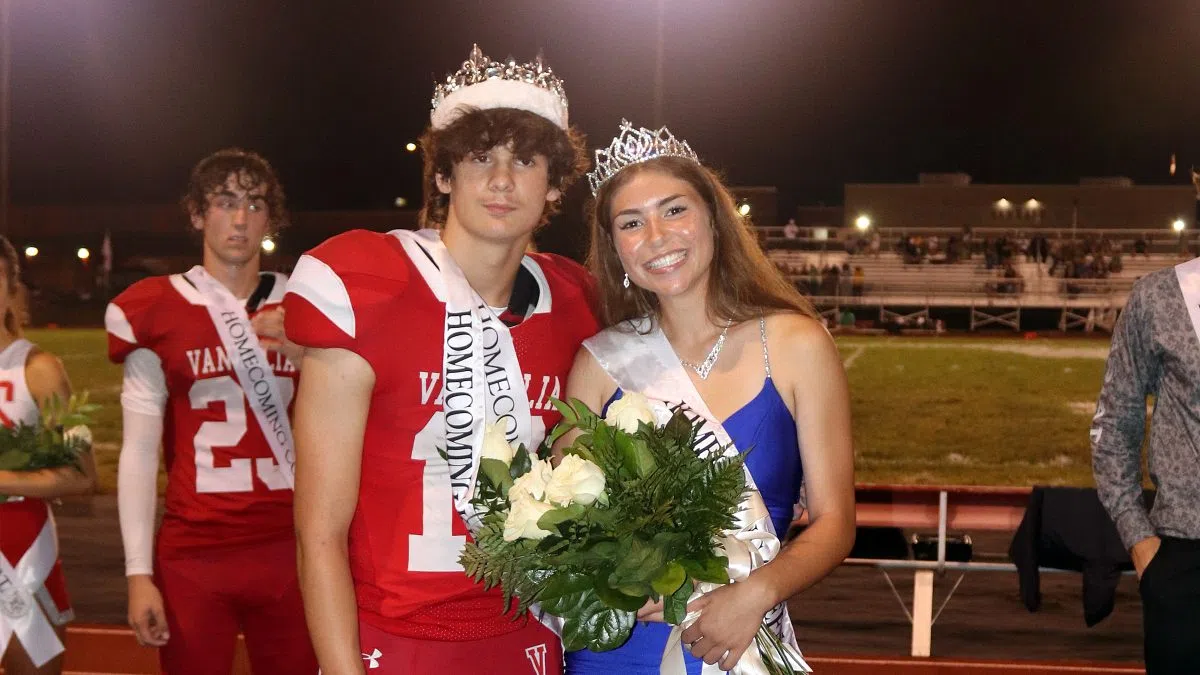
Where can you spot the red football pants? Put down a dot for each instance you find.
(532, 650)
(212, 595)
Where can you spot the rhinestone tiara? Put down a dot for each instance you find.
(484, 84)
(633, 146)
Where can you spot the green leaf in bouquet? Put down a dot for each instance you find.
(569, 417)
(605, 453)
(672, 544)
(679, 427)
(587, 418)
(616, 598)
(595, 553)
(556, 433)
(551, 519)
(554, 545)
(713, 570)
(565, 592)
(520, 464)
(669, 580)
(581, 452)
(675, 604)
(15, 460)
(639, 567)
(596, 627)
(496, 474)
(635, 455)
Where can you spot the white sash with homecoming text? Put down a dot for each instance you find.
(640, 359)
(481, 377)
(254, 374)
(20, 614)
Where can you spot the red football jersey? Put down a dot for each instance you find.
(359, 291)
(223, 484)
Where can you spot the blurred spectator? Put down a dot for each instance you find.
(1013, 282)
(860, 280)
(1039, 248)
(989, 253)
(846, 319)
(791, 230)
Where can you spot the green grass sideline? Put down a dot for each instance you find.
(926, 411)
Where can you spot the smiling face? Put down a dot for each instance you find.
(663, 234)
(497, 194)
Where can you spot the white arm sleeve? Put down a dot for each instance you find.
(143, 403)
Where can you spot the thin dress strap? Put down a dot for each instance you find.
(762, 331)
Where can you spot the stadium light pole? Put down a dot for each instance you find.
(5, 105)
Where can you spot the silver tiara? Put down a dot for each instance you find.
(633, 146)
(544, 94)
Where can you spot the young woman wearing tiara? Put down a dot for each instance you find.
(697, 314)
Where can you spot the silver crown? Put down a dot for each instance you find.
(479, 68)
(633, 146)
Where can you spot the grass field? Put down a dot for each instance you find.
(926, 410)
(973, 411)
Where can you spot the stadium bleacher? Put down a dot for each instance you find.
(891, 279)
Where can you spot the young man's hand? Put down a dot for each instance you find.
(146, 614)
(268, 326)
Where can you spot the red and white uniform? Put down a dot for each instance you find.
(223, 485)
(360, 291)
(224, 558)
(21, 520)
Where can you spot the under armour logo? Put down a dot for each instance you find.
(372, 659)
(537, 658)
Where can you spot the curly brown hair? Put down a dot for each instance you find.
(16, 317)
(481, 130)
(743, 283)
(252, 171)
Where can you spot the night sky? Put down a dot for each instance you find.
(114, 100)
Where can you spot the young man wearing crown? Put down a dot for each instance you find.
(416, 341)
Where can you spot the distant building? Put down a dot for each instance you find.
(153, 239)
(952, 201)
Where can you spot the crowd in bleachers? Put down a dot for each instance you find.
(994, 261)
(829, 280)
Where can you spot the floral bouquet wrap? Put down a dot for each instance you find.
(632, 513)
(57, 440)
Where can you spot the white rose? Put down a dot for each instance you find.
(495, 444)
(523, 514)
(626, 412)
(79, 433)
(575, 480)
(533, 482)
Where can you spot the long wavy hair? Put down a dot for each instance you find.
(16, 316)
(742, 282)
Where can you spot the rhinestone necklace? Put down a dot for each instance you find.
(706, 367)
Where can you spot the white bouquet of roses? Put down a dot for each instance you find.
(631, 514)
